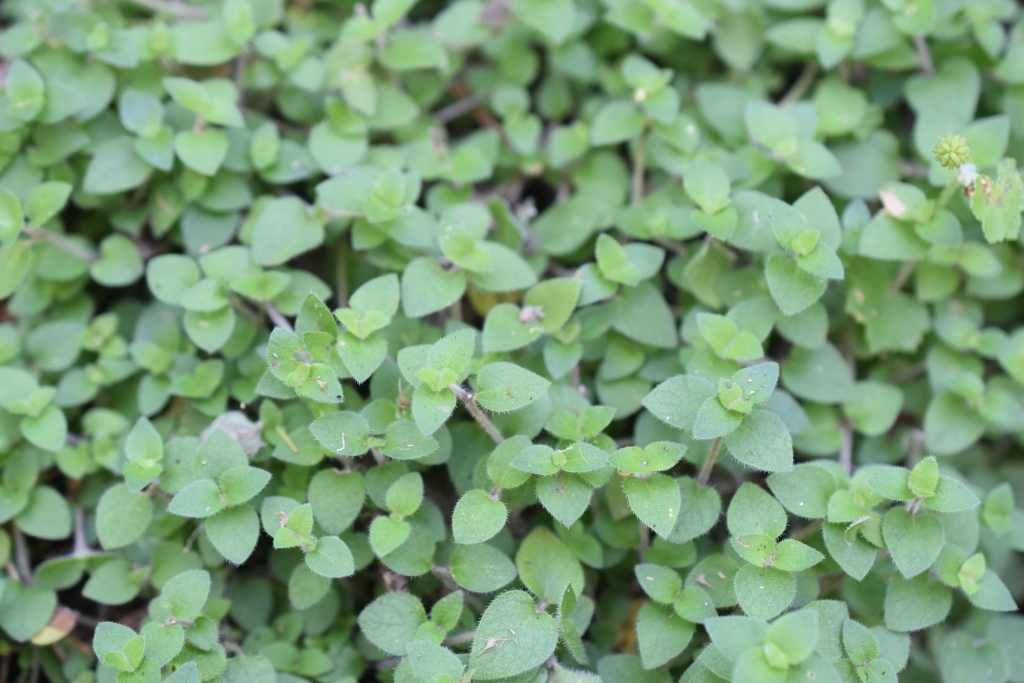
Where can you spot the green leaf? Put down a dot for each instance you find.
(915, 604)
(497, 652)
(481, 568)
(792, 288)
(199, 499)
(758, 381)
(234, 532)
(655, 457)
(239, 484)
(820, 375)
(336, 498)
(699, 511)
(387, 534)
(805, 490)
(15, 261)
(892, 483)
(391, 621)
(998, 205)
(732, 636)
(119, 263)
(951, 496)
(202, 152)
(707, 184)
(715, 420)
(169, 276)
(47, 431)
(122, 516)
(794, 556)
(11, 217)
(547, 566)
(554, 20)
(556, 298)
(859, 643)
(271, 245)
(726, 340)
(46, 516)
(694, 604)
(430, 661)
(504, 387)
(873, 407)
(762, 441)
(405, 495)
(764, 592)
(754, 665)
(888, 239)
(757, 549)
(477, 517)
(110, 637)
(144, 442)
(615, 122)
(499, 463)
(613, 262)
(25, 91)
(924, 477)
(25, 611)
(963, 658)
(185, 594)
(342, 433)
(427, 287)
(770, 125)
(992, 594)
(661, 634)
(913, 541)
(950, 425)
(564, 495)
(660, 583)
(45, 200)
(677, 400)
(754, 511)
(431, 409)
(795, 635)
(331, 558)
(403, 441)
(655, 501)
(115, 167)
(643, 316)
(580, 457)
(453, 352)
(361, 356)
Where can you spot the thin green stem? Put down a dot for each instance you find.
(639, 160)
(846, 446)
(21, 556)
(914, 506)
(341, 257)
(947, 194)
(178, 9)
(645, 541)
(901, 278)
(709, 463)
(925, 55)
(477, 412)
(460, 639)
(58, 240)
(802, 84)
(808, 530)
(277, 318)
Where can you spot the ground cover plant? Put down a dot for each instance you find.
(633, 341)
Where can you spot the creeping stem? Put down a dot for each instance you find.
(709, 463)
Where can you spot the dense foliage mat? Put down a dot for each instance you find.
(558, 341)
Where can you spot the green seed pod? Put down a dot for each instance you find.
(952, 151)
